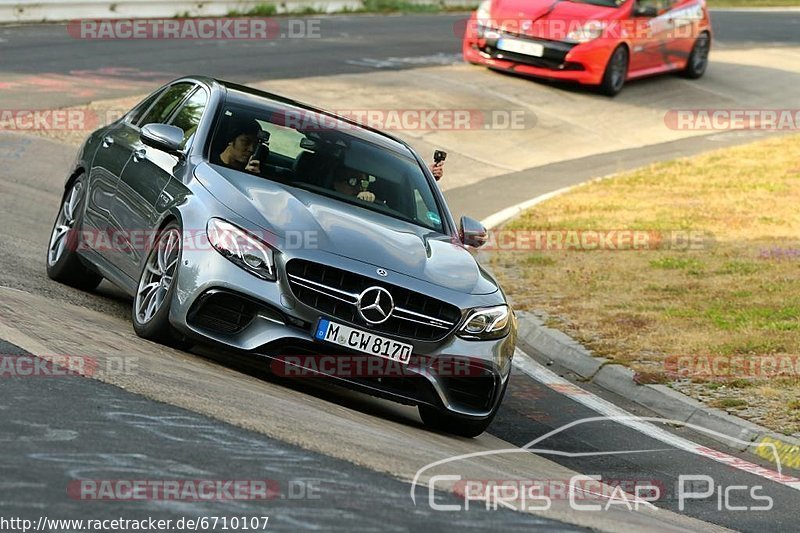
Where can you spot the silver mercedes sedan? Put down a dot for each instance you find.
(240, 218)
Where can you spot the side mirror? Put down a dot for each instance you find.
(163, 137)
(644, 11)
(472, 232)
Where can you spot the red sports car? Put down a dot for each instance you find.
(602, 43)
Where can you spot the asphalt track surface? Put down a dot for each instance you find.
(347, 44)
(95, 431)
(64, 429)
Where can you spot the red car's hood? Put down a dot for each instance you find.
(532, 18)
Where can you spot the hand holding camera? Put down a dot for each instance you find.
(261, 153)
(437, 169)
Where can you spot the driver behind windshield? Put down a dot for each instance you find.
(241, 139)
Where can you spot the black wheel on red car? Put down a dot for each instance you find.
(698, 60)
(455, 424)
(63, 263)
(616, 72)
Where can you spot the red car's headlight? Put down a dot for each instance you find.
(587, 32)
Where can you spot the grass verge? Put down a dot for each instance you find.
(712, 320)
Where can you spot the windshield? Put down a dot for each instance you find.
(318, 154)
(603, 3)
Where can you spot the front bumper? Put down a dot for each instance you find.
(583, 63)
(266, 319)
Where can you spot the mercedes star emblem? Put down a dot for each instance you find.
(375, 305)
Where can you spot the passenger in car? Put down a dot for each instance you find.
(353, 183)
(356, 183)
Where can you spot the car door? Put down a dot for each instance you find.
(110, 159)
(685, 16)
(649, 31)
(141, 198)
(664, 28)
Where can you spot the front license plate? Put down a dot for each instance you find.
(521, 47)
(362, 341)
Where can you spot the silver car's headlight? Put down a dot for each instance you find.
(486, 323)
(242, 248)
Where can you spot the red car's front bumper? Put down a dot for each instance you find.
(583, 63)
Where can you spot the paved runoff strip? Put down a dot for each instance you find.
(610, 411)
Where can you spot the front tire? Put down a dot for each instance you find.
(157, 282)
(697, 63)
(616, 72)
(63, 263)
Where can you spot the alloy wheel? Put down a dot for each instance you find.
(64, 224)
(158, 275)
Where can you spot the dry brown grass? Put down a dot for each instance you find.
(735, 296)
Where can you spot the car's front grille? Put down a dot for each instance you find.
(553, 57)
(540, 62)
(335, 293)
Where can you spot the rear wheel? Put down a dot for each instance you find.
(698, 60)
(63, 263)
(151, 305)
(616, 72)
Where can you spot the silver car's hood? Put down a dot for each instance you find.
(298, 217)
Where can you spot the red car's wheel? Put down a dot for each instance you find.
(616, 72)
(698, 60)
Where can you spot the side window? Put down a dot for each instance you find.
(660, 5)
(188, 117)
(170, 99)
(138, 112)
(283, 141)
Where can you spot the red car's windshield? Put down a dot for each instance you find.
(604, 3)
